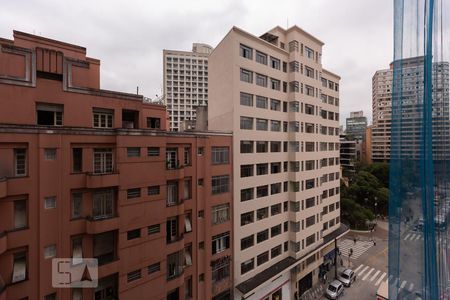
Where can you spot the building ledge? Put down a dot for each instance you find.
(274, 270)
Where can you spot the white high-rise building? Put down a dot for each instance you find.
(283, 109)
(185, 83)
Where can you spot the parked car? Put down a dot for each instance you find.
(347, 277)
(334, 290)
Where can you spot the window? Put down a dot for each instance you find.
(154, 123)
(77, 200)
(261, 80)
(220, 213)
(262, 191)
(103, 161)
(19, 267)
(20, 162)
(105, 245)
(133, 234)
(220, 242)
(275, 167)
(172, 158)
(133, 151)
(20, 214)
(153, 268)
(247, 218)
(275, 125)
(172, 193)
(262, 147)
(275, 230)
(275, 251)
(310, 202)
(50, 202)
(275, 146)
(246, 170)
(309, 90)
(200, 151)
(261, 102)
(247, 266)
(262, 258)
(275, 188)
(246, 146)
(261, 58)
(246, 51)
(102, 118)
(246, 123)
(220, 269)
(153, 151)
(220, 184)
(262, 124)
(187, 156)
(246, 99)
(246, 76)
(310, 221)
(188, 222)
(275, 104)
(103, 204)
(171, 230)
(50, 251)
(133, 193)
(309, 147)
(49, 114)
(262, 213)
(153, 229)
(310, 239)
(275, 84)
(309, 109)
(187, 189)
(309, 52)
(153, 190)
(309, 72)
(284, 63)
(77, 160)
(309, 184)
(262, 169)
(247, 242)
(49, 153)
(132, 276)
(275, 209)
(294, 66)
(275, 63)
(262, 236)
(175, 263)
(294, 86)
(220, 155)
(247, 194)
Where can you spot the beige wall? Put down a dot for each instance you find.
(224, 113)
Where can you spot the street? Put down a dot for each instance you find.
(369, 262)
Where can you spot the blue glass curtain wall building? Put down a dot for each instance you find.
(420, 151)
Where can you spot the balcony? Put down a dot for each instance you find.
(95, 225)
(101, 180)
(3, 242)
(3, 187)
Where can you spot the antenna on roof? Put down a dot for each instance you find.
(137, 90)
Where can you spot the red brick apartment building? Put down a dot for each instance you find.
(91, 173)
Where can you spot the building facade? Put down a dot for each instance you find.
(283, 109)
(185, 83)
(356, 125)
(91, 173)
(412, 93)
(348, 155)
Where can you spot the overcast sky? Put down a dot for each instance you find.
(128, 36)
